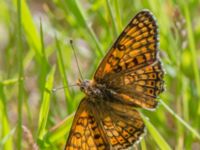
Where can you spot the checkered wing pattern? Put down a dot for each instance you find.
(132, 67)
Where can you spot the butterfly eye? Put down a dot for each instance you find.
(82, 88)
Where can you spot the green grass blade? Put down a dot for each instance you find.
(77, 11)
(195, 133)
(143, 145)
(118, 14)
(45, 105)
(5, 143)
(44, 65)
(60, 130)
(32, 34)
(194, 58)
(162, 144)
(20, 77)
(112, 18)
(10, 81)
(5, 126)
(64, 77)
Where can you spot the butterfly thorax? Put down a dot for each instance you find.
(90, 88)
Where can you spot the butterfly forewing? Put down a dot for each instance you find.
(135, 48)
(132, 67)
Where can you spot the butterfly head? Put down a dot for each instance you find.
(84, 85)
(88, 87)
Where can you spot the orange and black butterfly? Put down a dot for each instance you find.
(130, 76)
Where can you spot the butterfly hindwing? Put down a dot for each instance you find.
(85, 132)
(104, 126)
(141, 87)
(122, 125)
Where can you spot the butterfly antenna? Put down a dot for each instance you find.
(62, 87)
(71, 42)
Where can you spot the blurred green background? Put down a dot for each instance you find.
(36, 57)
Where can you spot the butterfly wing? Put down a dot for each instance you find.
(122, 125)
(140, 87)
(131, 67)
(134, 48)
(85, 132)
(103, 125)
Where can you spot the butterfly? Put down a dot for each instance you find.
(130, 76)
